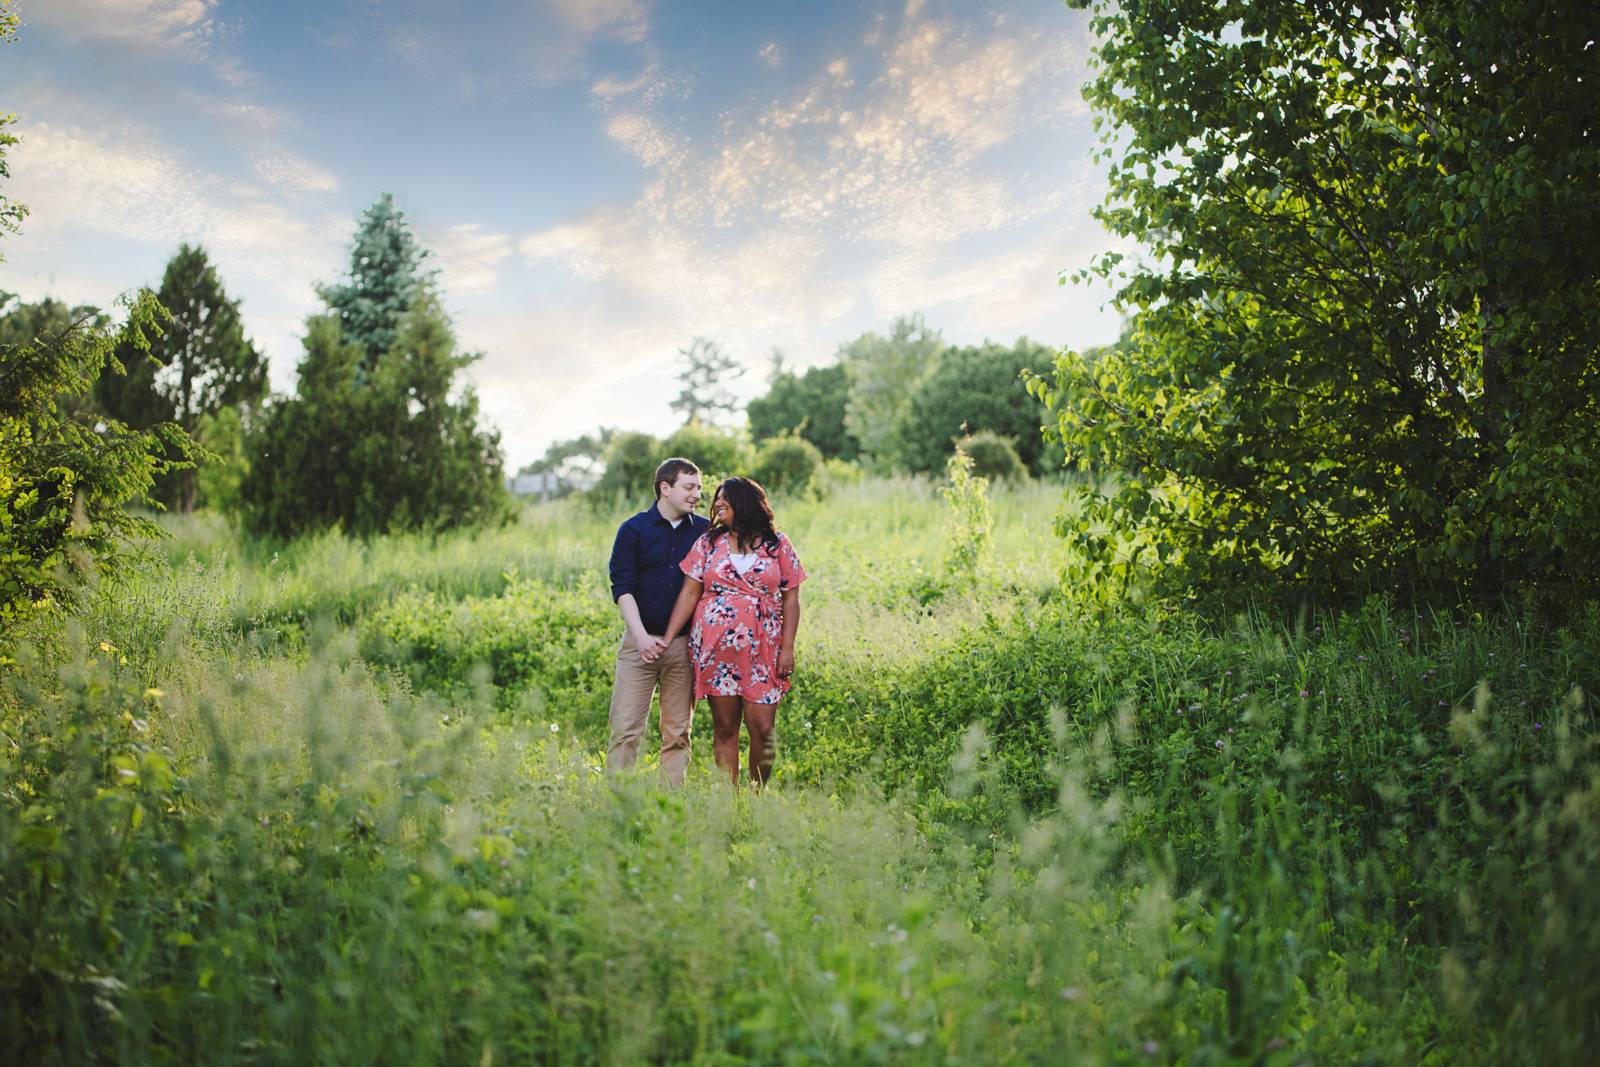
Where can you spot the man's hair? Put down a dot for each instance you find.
(669, 472)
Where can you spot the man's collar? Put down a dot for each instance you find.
(656, 509)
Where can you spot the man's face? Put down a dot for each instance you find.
(684, 494)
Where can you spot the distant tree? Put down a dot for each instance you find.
(577, 460)
(882, 373)
(199, 365)
(971, 390)
(706, 372)
(811, 405)
(385, 278)
(375, 444)
(1366, 335)
(631, 460)
(11, 212)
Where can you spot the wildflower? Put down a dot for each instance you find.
(1361, 659)
(555, 728)
(751, 884)
(1194, 707)
(1151, 1048)
(1444, 703)
(1071, 992)
(1230, 729)
(1219, 742)
(1305, 693)
(1538, 726)
(153, 694)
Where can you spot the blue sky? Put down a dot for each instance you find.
(599, 180)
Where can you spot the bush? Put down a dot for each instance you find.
(788, 464)
(717, 452)
(631, 461)
(993, 457)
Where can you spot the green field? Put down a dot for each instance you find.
(341, 802)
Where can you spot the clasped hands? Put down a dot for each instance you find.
(651, 647)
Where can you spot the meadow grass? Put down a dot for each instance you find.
(342, 802)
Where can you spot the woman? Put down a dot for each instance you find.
(742, 585)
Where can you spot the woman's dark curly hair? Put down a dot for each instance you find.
(752, 515)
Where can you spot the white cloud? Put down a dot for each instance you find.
(148, 22)
(287, 171)
(468, 258)
(135, 190)
(772, 55)
(626, 20)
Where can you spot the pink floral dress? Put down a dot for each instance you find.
(738, 623)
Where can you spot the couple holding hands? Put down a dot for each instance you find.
(734, 581)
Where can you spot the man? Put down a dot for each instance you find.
(644, 582)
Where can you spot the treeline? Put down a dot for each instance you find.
(898, 401)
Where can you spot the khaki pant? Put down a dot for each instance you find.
(636, 680)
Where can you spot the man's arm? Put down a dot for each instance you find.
(624, 576)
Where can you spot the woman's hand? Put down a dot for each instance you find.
(785, 661)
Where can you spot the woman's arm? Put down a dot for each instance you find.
(688, 597)
(791, 625)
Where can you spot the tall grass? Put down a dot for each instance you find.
(343, 804)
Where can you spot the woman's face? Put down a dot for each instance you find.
(721, 512)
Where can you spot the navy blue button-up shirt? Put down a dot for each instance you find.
(644, 562)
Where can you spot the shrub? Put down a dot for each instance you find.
(993, 457)
(717, 452)
(788, 464)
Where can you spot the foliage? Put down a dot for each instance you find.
(717, 452)
(810, 405)
(66, 476)
(631, 461)
(706, 372)
(222, 434)
(11, 212)
(385, 279)
(200, 365)
(378, 450)
(575, 461)
(198, 862)
(1364, 350)
(993, 457)
(788, 464)
(883, 372)
(974, 389)
(971, 522)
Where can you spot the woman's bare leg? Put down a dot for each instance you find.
(725, 734)
(761, 721)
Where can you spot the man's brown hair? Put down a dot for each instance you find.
(670, 470)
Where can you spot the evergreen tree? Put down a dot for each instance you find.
(385, 279)
(200, 364)
(370, 443)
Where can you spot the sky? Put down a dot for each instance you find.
(598, 181)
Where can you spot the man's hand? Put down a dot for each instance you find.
(785, 662)
(650, 648)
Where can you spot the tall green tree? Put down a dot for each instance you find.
(810, 405)
(882, 372)
(371, 445)
(1364, 341)
(200, 364)
(977, 389)
(385, 278)
(705, 375)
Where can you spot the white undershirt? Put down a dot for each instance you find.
(676, 522)
(742, 561)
